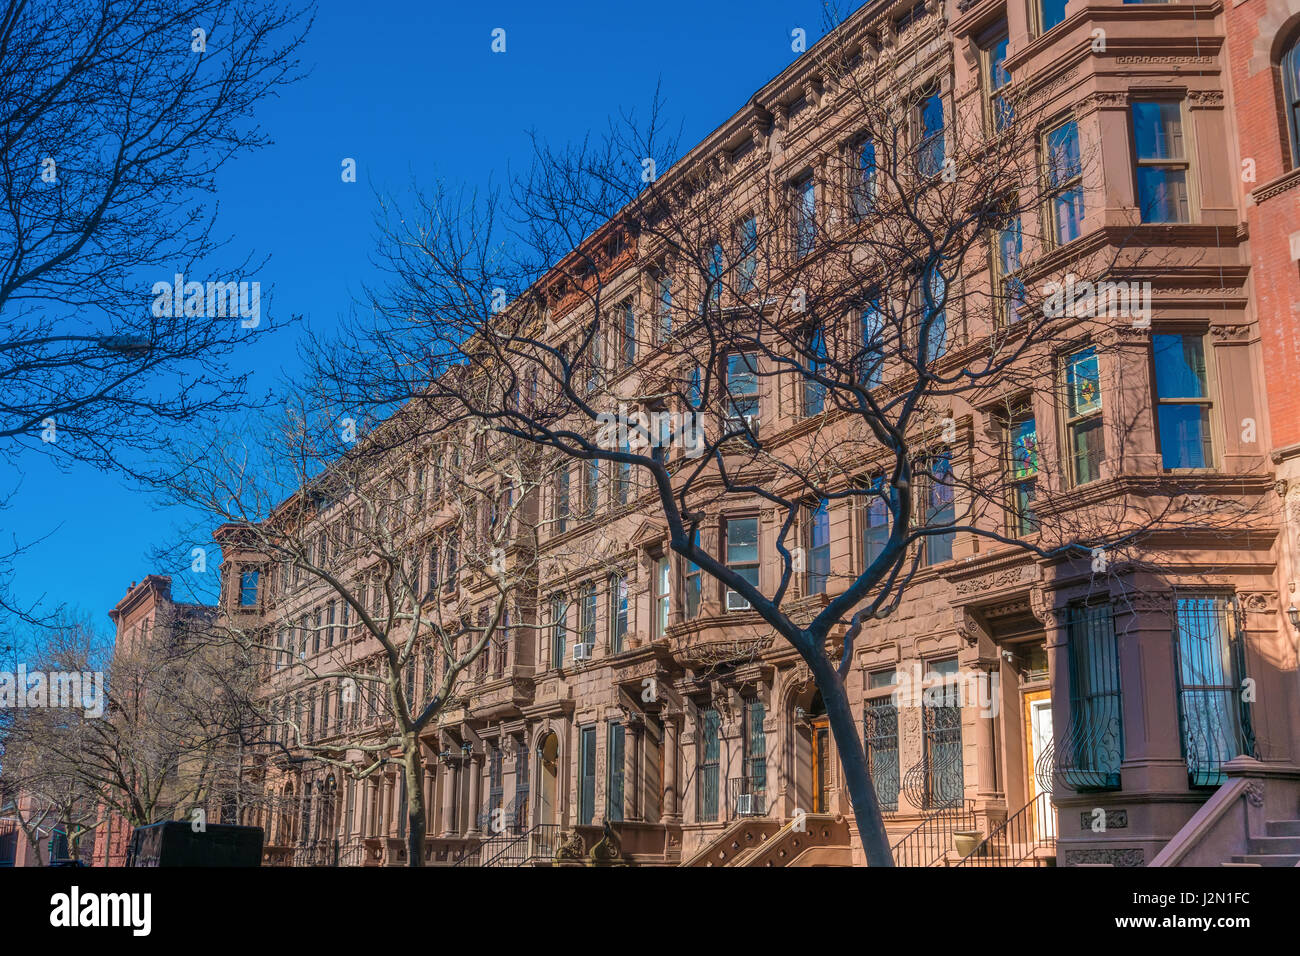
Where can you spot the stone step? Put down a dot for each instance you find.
(1273, 844)
(1269, 859)
(1284, 828)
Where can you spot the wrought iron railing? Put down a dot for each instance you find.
(319, 853)
(1214, 711)
(936, 781)
(1086, 752)
(354, 854)
(747, 796)
(929, 841)
(1021, 840)
(880, 738)
(10, 834)
(508, 849)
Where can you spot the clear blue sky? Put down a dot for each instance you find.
(409, 88)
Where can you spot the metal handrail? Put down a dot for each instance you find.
(928, 842)
(1019, 838)
(537, 841)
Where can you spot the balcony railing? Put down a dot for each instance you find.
(747, 797)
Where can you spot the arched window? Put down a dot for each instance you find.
(1290, 65)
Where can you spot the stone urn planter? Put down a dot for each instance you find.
(965, 841)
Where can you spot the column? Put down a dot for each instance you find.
(632, 769)
(669, 782)
(475, 785)
(449, 784)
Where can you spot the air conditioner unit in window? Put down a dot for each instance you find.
(744, 804)
(735, 602)
(582, 652)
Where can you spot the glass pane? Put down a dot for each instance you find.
(1185, 436)
(1010, 242)
(1063, 162)
(821, 525)
(805, 211)
(930, 154)
(748, 260)
(1024, 449)
(865, 188)
(937, 339)
(1088, 450)
(1291, 73)
(940, 510)
(1068, 214)
(742, 374)
(1158, 130)
(1083, 383)
(1053, 13)
(873, 332)
(998, 75)
(742, 540)
(815, 391)
(875, 530)
(1180, 366)
(819, 556)
(932, 115)
(1163, 194)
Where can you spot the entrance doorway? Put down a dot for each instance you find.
(1038, 746)
(821, 733)
(548, 763)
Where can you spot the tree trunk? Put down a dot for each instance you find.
(853, 759)
(415, 816)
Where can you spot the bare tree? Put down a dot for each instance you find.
(393, 572)
(120, 307)
(154, 733)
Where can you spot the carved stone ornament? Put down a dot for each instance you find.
(1114, 819)
(996, 579)
(571, 848)
(1255, 793)
(1257, 601)
(1128, 856)
(1226, 333)
(608, 849)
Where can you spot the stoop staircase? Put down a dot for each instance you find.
(1280, 846)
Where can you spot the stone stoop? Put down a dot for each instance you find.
(737, 842)
(1280, 847)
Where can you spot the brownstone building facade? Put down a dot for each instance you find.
(1015, 710)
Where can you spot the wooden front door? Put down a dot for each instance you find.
(820, 761)
(1038, 747)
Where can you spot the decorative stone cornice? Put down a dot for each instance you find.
(1278, 186)
(1165, 61)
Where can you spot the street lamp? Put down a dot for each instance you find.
(1293, 613)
